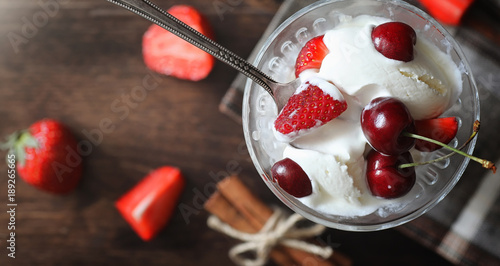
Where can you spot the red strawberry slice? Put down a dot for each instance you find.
(47, 156)
(310, 107)
(170, 55)
(148, 206)
(311, 55)
(441, 129)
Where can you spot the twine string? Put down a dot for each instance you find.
(278, 230)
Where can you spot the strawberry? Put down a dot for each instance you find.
(311, 55)
(46, 156)
(441, 129)
(148, 206)
(310, 107)
(170, 55)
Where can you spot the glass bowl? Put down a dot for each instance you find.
(277, 57)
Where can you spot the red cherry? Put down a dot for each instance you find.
(385, 178)
(291, 178)
(395, 40)
(383, 121)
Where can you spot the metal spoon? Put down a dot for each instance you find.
(280, 92)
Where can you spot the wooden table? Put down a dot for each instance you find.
(77, 61)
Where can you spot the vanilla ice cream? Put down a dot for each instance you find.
(338, 188)
(428, 85)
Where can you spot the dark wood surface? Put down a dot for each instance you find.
(75, 62)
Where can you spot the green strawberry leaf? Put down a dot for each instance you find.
(16, 144)
(20, 155)
(10, 145)
(26, 140)
(10, 141)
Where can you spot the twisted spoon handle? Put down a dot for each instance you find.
(153, 13)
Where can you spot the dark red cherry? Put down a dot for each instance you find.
(385, 178)
(383, 121)
(291, 178)
(395, 40)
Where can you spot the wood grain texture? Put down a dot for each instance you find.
(83, 65)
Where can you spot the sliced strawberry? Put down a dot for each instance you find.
(148, 206)
(311, 55)
(441, 129)
(310, 107)
(170, 55)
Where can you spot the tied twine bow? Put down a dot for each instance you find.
(278, 230)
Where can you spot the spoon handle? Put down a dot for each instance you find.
(153, 13)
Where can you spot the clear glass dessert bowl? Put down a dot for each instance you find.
(277, 58)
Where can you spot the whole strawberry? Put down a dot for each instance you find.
(46, 156)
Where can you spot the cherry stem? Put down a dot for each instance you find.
(485, 163)
(475, 130)
(472, 136)
(440, 158)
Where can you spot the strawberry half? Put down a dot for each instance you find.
(442, 129)
(46, 156)
(311, 55)
(170, 55)
(148, 206)
(310, 107)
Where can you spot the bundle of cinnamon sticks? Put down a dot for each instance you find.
(234, 204)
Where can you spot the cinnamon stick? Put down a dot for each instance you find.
(240, 196)
(220, 207)
(257, 213)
